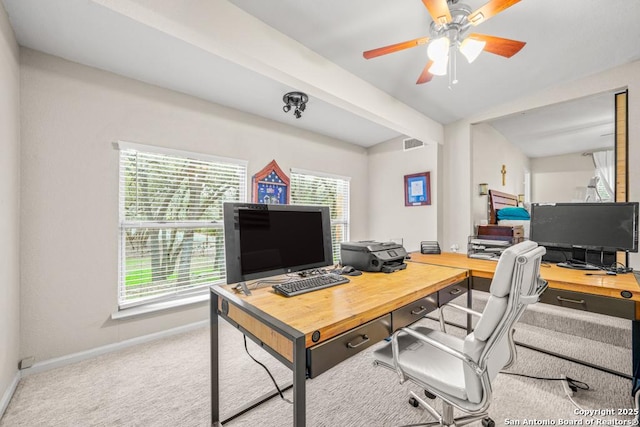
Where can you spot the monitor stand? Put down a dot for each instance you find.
(242, 286)
(578, 265)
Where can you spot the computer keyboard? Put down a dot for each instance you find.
(309, 284)
(578, 265)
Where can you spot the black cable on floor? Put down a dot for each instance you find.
(551, 353)
(574, 385)
(266, 369)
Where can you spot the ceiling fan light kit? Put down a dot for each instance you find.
(450, 33)
(439, 68)
(438, 49)
(471, 48)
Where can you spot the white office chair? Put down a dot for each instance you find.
(460, 370)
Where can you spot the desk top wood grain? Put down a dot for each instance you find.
(597, 283)
(337, 309)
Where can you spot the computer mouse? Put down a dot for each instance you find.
(350, 271)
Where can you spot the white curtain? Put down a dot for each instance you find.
(605, 163)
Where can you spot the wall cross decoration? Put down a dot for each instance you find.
(503, 171)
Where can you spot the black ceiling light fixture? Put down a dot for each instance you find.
(296, 100)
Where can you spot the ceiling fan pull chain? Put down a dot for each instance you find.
(453, 73)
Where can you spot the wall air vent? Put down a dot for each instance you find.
(412, 144)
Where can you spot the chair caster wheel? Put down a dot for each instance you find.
(413, 402)
(429, 395)
(488, 422)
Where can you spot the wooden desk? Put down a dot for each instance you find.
(309, 333)
(617, 296)
(612, 295)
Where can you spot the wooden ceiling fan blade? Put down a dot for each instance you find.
(426, 76)
(439, 10)
(498, 45)
(373, 53)
(489, 9)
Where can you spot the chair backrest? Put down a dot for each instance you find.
(516, 277)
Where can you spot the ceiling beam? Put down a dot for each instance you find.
(227, 31)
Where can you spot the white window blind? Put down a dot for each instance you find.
(171, 236)
(316, 188)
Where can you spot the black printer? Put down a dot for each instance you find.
(369, 255)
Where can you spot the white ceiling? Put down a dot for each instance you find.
(582, 125)
(236, 63)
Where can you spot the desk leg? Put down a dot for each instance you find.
(215, 374)
(635, 348)
(299, 378)
(469, 305)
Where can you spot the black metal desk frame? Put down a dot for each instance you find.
(298, 367)
(299, 355)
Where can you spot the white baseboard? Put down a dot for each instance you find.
(58, 362)
(8, 394)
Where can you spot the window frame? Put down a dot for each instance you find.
(124, 224)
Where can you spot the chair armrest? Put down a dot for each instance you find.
(461, 308)
(458, 307)
(440, 346)
(533, 298)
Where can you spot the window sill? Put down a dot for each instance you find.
(158, 306)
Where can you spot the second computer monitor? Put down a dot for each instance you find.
(584, 227)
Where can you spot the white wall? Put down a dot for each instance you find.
(71, 115)
(490, 150)
(389, 218)
(457, 159)
(9, 209)
(457, 192)
(561, 178)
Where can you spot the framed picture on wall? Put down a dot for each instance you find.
(271, 185)
(417, 189)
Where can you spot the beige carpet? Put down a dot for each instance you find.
(166, 383)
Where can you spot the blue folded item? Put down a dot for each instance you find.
(513, 213)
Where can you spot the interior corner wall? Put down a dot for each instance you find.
(457, 142)
(389, 218)
(9, 209)
(457, 194)
(71, 114)
(489, 151)
(561, 178)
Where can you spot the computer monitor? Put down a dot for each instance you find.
(583, 227)
(267, 240)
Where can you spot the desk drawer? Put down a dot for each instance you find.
(413, 312)
(454, 291)
(329, 353)
(480, 284)
(587, 302)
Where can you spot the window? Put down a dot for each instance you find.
(316, 188)
(171, 236)
(604, 162)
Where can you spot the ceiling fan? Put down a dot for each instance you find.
(450, 33)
